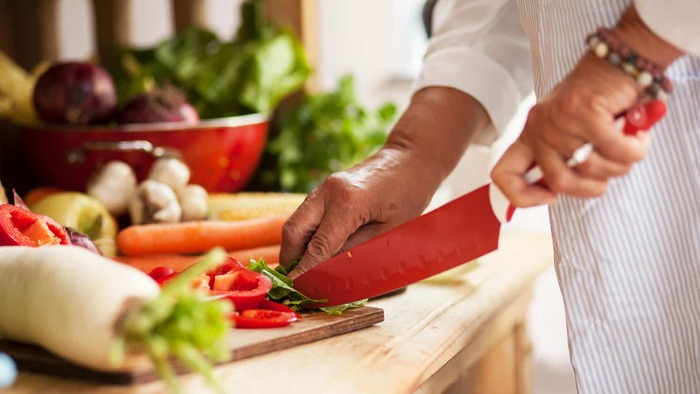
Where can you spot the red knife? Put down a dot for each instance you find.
(456, 233)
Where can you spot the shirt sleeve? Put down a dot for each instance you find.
(676, 21)
(479, 47)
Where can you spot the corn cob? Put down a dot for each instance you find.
(249, 205)
(17, 86)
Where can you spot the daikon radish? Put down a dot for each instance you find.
(108, 316)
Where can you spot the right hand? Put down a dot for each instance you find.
(391, 187)
(352, 206)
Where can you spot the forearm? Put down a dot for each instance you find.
(436, 129)
(636, 34)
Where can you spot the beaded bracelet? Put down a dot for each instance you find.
(650, 76)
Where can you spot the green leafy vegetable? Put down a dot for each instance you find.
(183, 323)
(284, 292)
(327, 132)
(250, 74)
(339, 309)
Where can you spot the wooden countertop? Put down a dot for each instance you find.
(425, 328)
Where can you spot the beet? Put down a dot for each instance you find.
(75, 93)
(159, 105)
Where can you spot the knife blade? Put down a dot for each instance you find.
(456, 233)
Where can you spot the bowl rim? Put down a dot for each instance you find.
(230, 121)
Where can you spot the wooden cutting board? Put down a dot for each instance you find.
(244, 343)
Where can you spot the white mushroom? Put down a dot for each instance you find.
(114, 185)
(194, 201)
(155, 202)
(171, 171)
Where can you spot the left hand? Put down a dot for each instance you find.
(580, 109)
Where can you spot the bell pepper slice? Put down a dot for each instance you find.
(21, 227)
(276, 306)
(229, 265)
(262, 318)
(245, 288)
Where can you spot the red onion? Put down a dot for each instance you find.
(79, 239)
(160, 105)
(76, 93)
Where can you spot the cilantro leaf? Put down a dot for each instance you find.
(284, 292)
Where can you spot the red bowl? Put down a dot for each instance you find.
(222, 153)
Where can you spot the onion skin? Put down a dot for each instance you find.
(160, 105)
(75, 93)
(79, 239)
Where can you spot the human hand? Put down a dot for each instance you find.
(352, 206)
(581, 109)
(392, 186)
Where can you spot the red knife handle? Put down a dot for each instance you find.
(640, 118)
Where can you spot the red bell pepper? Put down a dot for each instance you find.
(21, 227)
(262, 318)
(244, 288)
(276, 306)
(229, 265)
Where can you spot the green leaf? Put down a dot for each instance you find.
(282, 287)
(277, 68)
(339, 309)
(326, 133)
(284, 292)
(180, 322)
(251, 73)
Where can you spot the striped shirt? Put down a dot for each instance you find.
(628, 263)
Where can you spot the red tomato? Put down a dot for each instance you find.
(262, 318)
(245, 288)
(161, 274)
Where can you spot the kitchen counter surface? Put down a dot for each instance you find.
(462, 331)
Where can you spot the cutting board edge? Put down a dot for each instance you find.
(22, 353)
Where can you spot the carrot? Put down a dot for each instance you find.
(179, 262)
(200, 236)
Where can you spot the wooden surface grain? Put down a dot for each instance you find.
(432, 333)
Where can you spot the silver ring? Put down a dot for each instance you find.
(580, 155)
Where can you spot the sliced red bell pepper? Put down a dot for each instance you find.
(231, 264)
(262, 318)
(276, 306)
(21, 227)
(245, 288)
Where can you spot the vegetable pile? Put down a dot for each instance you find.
(245, 289)
(190, 76)
(250, 74)
(262, 297)
(83, 93)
